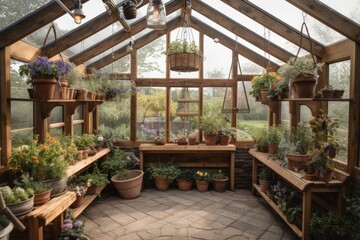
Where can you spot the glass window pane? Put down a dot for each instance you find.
(114, 119)
(213, 68)
(305, 114)
(56, 131)
(56, 115)
(339, 76)
(340, 110)
(21, 122)
(78, 113)
(184, 111)
(151, 60)
(18, 85)
(350, 9)
(122, 65)
(151, 107)
(78, 129)
(285, 115)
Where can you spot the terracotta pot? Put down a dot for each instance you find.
(192, 141)
(61, 89)
(182, 142)
(297, 162)
(64, 86)
(44, 88)
(202, 186)
(224, 139)
(85, 151)
(129, 188)
(310, 177)
(58, 186)
(70, 93)
(210, 139)
(303, 87)
(263, 149)
(21, 208)
(161, 183)
(327, 175)
(264, 94)
(184, 185)
(273, 148)
(42, 198)
(327, 93)
(264, 185)
(81, 94)
(220, 185)
(77, 202)
(80, 155)
(270, 196)
(92, 190)
(338, 93)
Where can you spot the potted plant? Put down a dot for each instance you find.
(294, 216)
(298, 149)
(271, 193)
(260, 85)
(43, 162)
(93, 181)
(80, 192)
(265, 179)
(260, 136)
(220, 181)
(326, 145)
(20, 201)
(83, 143)
(41, 190)
(210, 126)
(42, 74)
(163, 174)
(300, 73)
(202, 179)
(72, 229)
(274, 137)
(181, 139)
(185, 179)
(159, 140)
(193, 137)
(184, 56)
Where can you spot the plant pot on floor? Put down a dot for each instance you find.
(296, 162)
(129, 188)
(202, 186)
(303, 87)
(161, 183)
(220, 185)
(184, 185)
(264, 185)
(210, 139)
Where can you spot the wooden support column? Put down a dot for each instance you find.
(168, 95)
(5, 123)
(133, 103)
(234, 88)
(41, 124)
(87, 119)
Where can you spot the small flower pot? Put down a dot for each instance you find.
(92, 190)
(77, 202)
(264, 94)
(297, 162)
(161, 183)
(327, 93)
(184, 185)
(44, 88)
(220, 185)
(202, 186)
(58, 186)
(327, 175)
(264, 185)
(224, 140)
(273, 148)
(182, 142)
(192, 141)
(338, 93)
(210, 139)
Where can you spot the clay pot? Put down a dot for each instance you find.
(327, 175)
(184, 185)
(210, 139)
(264, 185)
(303, 87)
(264, 94)
(44, 88)
(161, 183)
(327, 93)
(220, 185)
(81, 94)
(297, 162)
(273, 148)
(224, 140)
(77, 202)
(129, 188)
(70, 93)
(192, 141)
(338, 93)
(92, 190)
(202, 186)
(42, 198)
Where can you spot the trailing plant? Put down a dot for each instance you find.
(167, 170)
(265, 81)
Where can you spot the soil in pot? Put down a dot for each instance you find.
(220, 185)
(184, 185)
(129, 188)
(161, 183)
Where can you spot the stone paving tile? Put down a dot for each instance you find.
(186, 215)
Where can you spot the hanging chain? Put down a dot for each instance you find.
(303, 25)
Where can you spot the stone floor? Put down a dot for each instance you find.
(184, 215)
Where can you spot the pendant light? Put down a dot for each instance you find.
(156, 15)
(78, 13)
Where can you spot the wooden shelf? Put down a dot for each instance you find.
(59, 101)
(296, 230)
(77, 167)
(184, 100)
(87, 200)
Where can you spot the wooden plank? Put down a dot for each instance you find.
(230, 43)
(176, 147)
(5, 107)
(356, 175)
(23, 51)
(338, 51)
(80, 165)
(187, 100)
(293, 227)
(33, 21)
(329, 17)
(87, 200)
(120, 36)
(274, 24)
(146, 39)
(306, 215)
(241, 31)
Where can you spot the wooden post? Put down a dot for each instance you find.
(254, 174)
(5, 123)
(234, 88)
(306, 215)
(133, 103)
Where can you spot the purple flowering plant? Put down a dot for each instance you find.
(72, 228)
(43, 67)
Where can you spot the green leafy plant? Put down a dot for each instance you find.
(96, 178)
(265, 81)
(260, 136)
(180, 46)
(168, 170)
(186, 175)
(274, 135)
(291, 214)
(300, 139)
(266, 174)
(37, 187)
(210, 124)
(15, 195)
(118, 161)
(84, 140)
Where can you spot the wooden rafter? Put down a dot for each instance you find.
(229, 43)
(329, 17)
(122, 52)
(241, 31)
(84, 31)
(120, 36)
(33, 21)
(274, 24)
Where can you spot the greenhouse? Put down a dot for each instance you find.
(179, 119)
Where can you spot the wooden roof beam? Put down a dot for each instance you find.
(329, 17)
(230, 43)
(275, 24)
(120, 36)
(84, 31)
(33, 21)
(241, 31)
(122, 52)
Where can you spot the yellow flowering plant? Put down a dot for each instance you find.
(267, 80)
(40, 161)
(202, 176)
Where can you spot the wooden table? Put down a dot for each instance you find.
(196, 156)
(307, 188)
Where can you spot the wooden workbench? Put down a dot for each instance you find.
(194, 156)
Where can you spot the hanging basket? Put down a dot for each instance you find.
(185, 62)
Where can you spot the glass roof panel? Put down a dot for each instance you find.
(351, 9)
(11, 11)
(293, 16)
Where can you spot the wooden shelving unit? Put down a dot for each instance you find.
(298, 182)
(87, 200)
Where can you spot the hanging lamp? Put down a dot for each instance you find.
(156, 15)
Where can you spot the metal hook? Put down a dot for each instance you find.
(304, 15)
